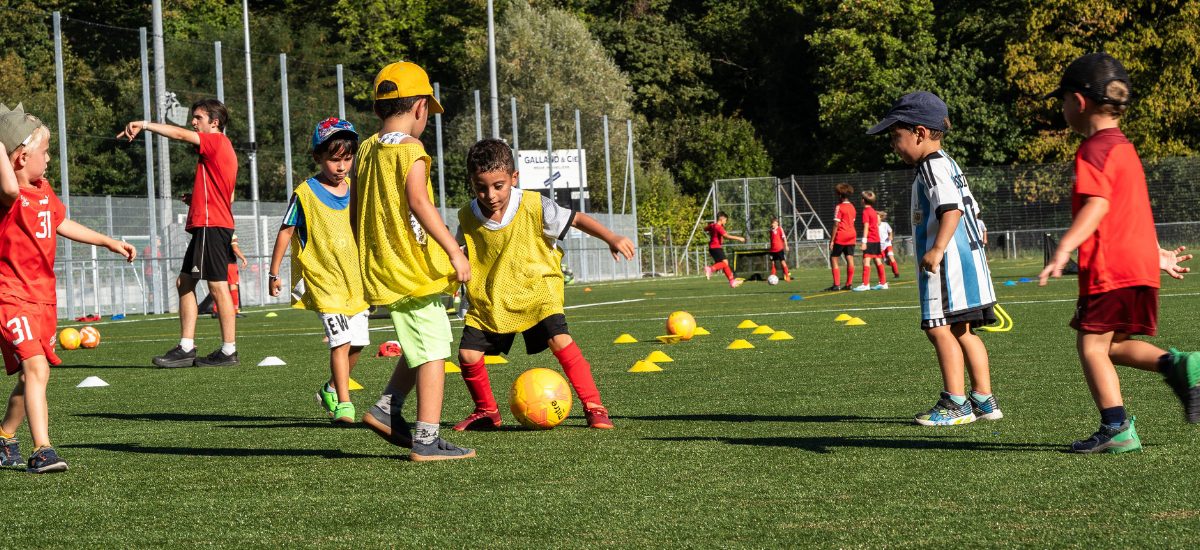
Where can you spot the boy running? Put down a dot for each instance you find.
(1119, 256)
(31, 217)
(778, 249)
(401, 268)
(716, 243)
(885, 241)
(517, 281)
(325, 272)
(872, 245)
(841, 243)
(954, 283)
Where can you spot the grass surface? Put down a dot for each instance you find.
(801, 442)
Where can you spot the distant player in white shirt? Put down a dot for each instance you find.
(885, 240)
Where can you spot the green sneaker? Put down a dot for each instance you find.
(327, 400)
(1185, 381)
(344, 413)
(1122, 439)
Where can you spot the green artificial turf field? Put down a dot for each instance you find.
(802, 442)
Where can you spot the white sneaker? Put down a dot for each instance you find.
(883, 286)
(736, 282)
(707, 272)
(861, 288)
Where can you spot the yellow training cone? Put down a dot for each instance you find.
(780, 335)
(747, 324)
(669, 338)
(739, 344)
(494, 360)
(644, 366)
(625, 339)
(855, 322)
(659, 357)
(842, 318)
(272, 314)
(700, 331)
(354, 385)
(451, 367)
(763, 329)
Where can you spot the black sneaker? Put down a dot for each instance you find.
(847, 287)
(217, 359)
(439, 449)
(44, 461)
(176, 358)
(833, 288)
(10, 452)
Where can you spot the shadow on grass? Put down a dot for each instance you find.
(222, 451)
(185, 417)
(828, 444)
(818, 418)
(104, 367)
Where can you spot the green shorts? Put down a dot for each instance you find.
(422, 328)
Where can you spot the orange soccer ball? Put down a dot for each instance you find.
(89, 337)
(540, 399)
(681, 324)
(68, 338)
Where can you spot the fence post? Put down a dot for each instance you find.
(220, 66)
(478, 118)
(152, 208)
(287, 124)
(550, 156)
(632, 177)
(341, 91)
(258, 245)
(516, 145)
(65, 181)
(437, 124)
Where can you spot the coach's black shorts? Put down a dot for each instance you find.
(718, 254)
(777, 256)
(975, 318)
(872, 250)
(537, 337)
(841, 250)
(208, 254)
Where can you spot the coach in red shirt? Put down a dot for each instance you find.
(210, 223)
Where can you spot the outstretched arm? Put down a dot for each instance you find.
(617, 244)
(168, 131)
(8, 179)
(80, 233)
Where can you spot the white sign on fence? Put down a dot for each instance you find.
(815, 234)
(534, 168)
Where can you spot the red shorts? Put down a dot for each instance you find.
(887, 251)
(1130, 310)
(232, 275)
(26, 331)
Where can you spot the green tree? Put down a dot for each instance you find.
(700, 149)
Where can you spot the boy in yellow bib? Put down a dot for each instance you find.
(401, 269)
(517, 281)
(325, 274)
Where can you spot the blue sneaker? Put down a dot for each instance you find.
(947, 413)
(1122, 439)
(1185, 381)
(986, 409)
(439, 449)
(44, 461)
(10, 452)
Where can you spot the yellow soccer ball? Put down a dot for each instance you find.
(540, 399)
(681, 324)
(68, 338)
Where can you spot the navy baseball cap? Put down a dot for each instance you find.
(917, 109)
(1090, 75)
(330, 127)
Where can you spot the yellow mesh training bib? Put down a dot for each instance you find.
(327, 261)
(516, 276)
(397, 261)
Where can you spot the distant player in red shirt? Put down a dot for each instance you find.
(1119, 255)
(30, 218)
(717, 236)
(210, 222)
(841, 243)
(872, 245)
(779, 248)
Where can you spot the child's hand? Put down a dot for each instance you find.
(1168, 260)
(1055, 267)
(622, 246)
(932, 260)
(123, 248)
(462, 268)
(276, 287)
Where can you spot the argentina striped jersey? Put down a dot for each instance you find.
(963, 282)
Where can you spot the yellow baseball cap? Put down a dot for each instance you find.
(410, 80)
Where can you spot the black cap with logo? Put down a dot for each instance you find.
(1090, 75)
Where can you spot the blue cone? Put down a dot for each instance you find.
(1010, 283)
(1026, 280)
(796, 297)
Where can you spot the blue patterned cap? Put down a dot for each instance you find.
(330, 127)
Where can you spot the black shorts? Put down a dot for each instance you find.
(718, 254)
(975, 318)
(872, 250)
(537, 337)
(209, 254)
(777, 256)
(841, 250)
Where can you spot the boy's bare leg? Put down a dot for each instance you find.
(187, 306)
(976, 356)
(339, 366)
(431, 382)
(15, 414)
(1138, 354)
(1098, 369)
(950, 358)
(225, 312)
(36, 372)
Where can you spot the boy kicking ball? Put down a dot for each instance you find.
(517, 282)
(1118, 274)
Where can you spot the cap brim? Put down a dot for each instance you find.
(883, 125)
(1055, 94)
(435, 107)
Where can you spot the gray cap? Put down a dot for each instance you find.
(16, 126)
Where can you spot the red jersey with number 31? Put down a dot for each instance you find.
(28, 236)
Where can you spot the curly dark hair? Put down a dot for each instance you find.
(490, 155)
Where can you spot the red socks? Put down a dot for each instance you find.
(237, 302)
(895, 267)
(578, 372)
(849, 274)
(772, 268)
(724, 267)
(879, 270)
(866, 275)
(837, 274)
(476, 376)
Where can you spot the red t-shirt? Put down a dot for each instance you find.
(28, 233)
(843, 216)
(778, 242)
(1123, 252)
(212, 192)
(717, 231)
(871, 224)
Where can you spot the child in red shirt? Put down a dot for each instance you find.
(872, 246)
(717, 233)
(1118, 274)
(841, 243)
(779, 248)
(30, 217)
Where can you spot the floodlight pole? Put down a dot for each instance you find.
(160, 98)
(220, 71)
(64, 182)
(153, 207)
(258, 245)
(495, 97)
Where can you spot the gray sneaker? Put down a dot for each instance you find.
(10, 452)
(380, 421)
(176, 358)
(439, 449)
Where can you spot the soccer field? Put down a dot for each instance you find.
(800, 442)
